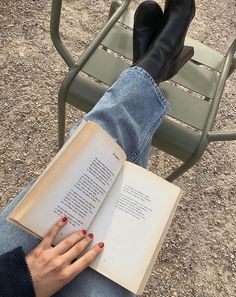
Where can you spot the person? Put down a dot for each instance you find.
(130, 111)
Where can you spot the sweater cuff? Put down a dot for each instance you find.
(15, 277)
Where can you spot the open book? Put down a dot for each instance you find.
(122, 204)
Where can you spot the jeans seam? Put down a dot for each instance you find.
(159, 97)
(148, 135)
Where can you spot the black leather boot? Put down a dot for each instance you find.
(163, 57)
(148, 23)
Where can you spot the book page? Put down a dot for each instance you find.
(131, 222)
(73, 186)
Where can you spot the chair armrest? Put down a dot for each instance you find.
(221, 135)
(227, 69)
(233, 64)
(56, 39)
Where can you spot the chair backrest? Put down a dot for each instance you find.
(190, 93)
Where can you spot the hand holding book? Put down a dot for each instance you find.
(51, 267)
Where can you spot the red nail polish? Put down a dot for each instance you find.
(101, 245)
(84, 232)
(90, 235)
(64, 219)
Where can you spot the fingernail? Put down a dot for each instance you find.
(64, 219)
(101, 245)
(90, 235)
(84, 232)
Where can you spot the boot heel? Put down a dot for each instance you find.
(178, 62)
(185, 55)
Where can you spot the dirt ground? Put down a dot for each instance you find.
(198, 257)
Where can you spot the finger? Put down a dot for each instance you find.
(69, 241)
(77, 249)
(52, 233)
(84, 261)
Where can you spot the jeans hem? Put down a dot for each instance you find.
(157, 90)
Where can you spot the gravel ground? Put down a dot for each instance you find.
(198, 257)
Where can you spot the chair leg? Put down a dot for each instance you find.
(182, 168)
(61, 122)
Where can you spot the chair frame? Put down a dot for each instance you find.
(116, 11)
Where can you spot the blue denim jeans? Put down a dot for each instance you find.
(130, 111)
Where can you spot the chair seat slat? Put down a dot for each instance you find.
(127, 18)
(197, 79)
(176, 140)
(206, 55)
(104, 66)
(186, 107)
(119, 40)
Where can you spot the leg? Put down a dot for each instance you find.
(92, 284)
(130, 111)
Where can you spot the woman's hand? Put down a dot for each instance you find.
(51, 267)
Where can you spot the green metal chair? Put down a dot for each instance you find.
(194, 94)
